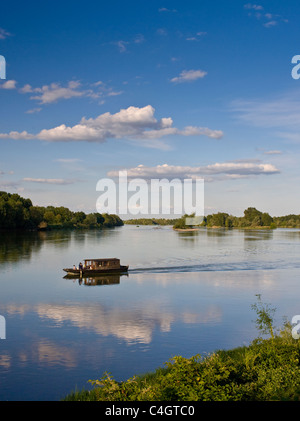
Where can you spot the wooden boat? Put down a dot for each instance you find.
(97, 267)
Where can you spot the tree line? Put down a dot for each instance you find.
(252, 218)
(150, 221)
(17, 212)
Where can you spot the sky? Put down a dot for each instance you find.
(161, 89)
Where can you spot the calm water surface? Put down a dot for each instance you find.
(186, 293)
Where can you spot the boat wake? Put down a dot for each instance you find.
(213, 267)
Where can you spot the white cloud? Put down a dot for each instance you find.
(133, 123)
(54, 92)
(253, 6)
(4, 34)
(33, 110)
(196, 37)
(122, 45)
(17, 135)
(189, 76)
(139, 39)
(57, 181)
(234, 169)
(270, 23)
(274, 152)
(272, 19)
(164, 9)
(9, 84)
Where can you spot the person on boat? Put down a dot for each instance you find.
(80, 266)
(74, 267)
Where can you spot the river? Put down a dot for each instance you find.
(186, 293)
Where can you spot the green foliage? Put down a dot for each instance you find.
(252, 218)
(181, 222)
(266, 370)
(265, 317)
(219, 219)
(19, 213)
(288, 221)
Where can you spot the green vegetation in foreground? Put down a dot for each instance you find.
(266, 370)
(19, 213)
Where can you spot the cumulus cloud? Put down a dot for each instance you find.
(133, 123)
(234, 169)
(9, 84)
(55, 92)
(189, 76)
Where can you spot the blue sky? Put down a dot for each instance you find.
(161, 89)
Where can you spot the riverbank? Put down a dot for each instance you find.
(266, 370)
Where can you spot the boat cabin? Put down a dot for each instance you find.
(111, 263)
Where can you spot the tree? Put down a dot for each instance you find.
(265, 317)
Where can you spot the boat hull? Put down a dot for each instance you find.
(91, 272)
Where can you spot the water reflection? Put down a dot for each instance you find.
(186, 293)
(96, 280)
(15, 245)
(258, 234)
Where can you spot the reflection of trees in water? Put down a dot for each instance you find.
(59, 238)
(256, 241)
(218, 232)
(79, 237)
(20, 245)
(290, 234)
(250, 235)
(16, 245)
